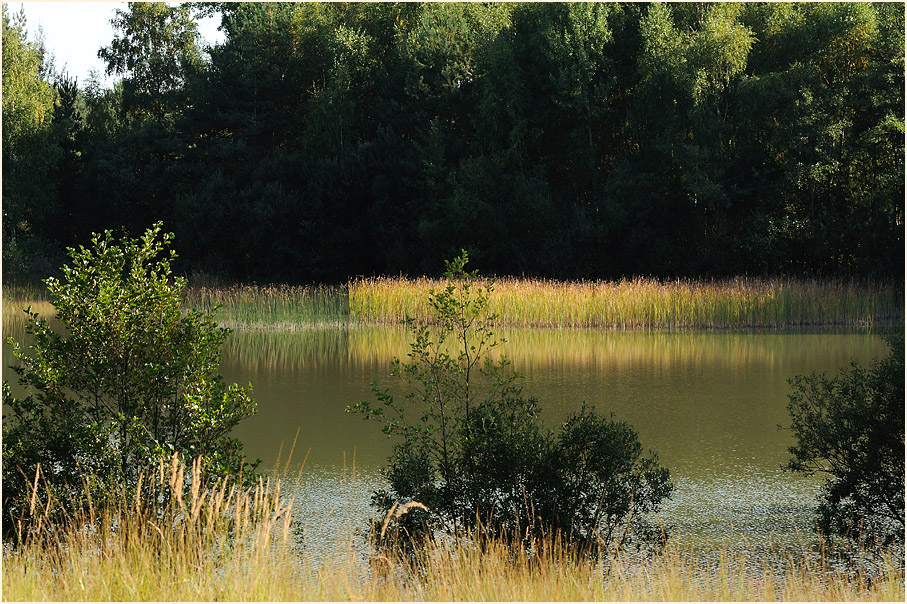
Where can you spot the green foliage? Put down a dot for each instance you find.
(129, 380)
(598, 486)
(29, 153)
(157, 52)
(566, 140)
(473, 450)
(850, 429)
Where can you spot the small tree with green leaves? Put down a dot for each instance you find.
(850, 429)
(474, 453)
(129, 378)
(596, 486)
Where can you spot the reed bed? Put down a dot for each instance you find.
(274, 307)
(200, 545)
(18, 297)
(648, 304)
(24, 292)
(740, 303)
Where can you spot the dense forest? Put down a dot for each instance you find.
(323, 141)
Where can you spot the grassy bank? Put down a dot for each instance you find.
(129, 572)
(231, 544)
(637, 304)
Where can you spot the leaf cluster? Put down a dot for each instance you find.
(850, 429)
(119, 379)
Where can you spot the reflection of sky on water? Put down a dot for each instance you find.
(757, 514)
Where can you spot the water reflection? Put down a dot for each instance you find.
(710, 403)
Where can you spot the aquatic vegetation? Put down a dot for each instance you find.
(272, 307)
(648, 303)
(740, 303)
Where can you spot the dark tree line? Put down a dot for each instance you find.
(322, 141)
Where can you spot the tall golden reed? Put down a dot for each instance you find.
(626, 304)
(648, 303)
(132, 548)
(132, 557)
(232, 543)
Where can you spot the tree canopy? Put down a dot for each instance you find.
(564, 140)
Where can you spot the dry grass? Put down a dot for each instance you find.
(195, 547)
(233, 544)
(648, 303)
(132, 569)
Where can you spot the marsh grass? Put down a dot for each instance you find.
(131, 555)
(648, 304)
(171, 540)
(273, 307)
(740, 303)
(16, 298)
(232, 543)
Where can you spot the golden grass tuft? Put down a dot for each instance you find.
(196, 546)
(228, 543)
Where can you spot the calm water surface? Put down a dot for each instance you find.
(709, 403)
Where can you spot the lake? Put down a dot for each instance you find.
(710, 403)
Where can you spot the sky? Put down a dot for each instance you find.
(74, 31)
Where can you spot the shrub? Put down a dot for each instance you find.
(850, 428)
(596, 485)
(474, 452)
(130, 379)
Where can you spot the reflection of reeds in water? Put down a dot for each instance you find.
(648, 303)
(277, 351)
(14, 319)
(364, 345)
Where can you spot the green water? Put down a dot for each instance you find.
(709, 403)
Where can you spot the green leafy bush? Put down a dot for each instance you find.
(850, 428)
(130, 378)
(473, 450)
